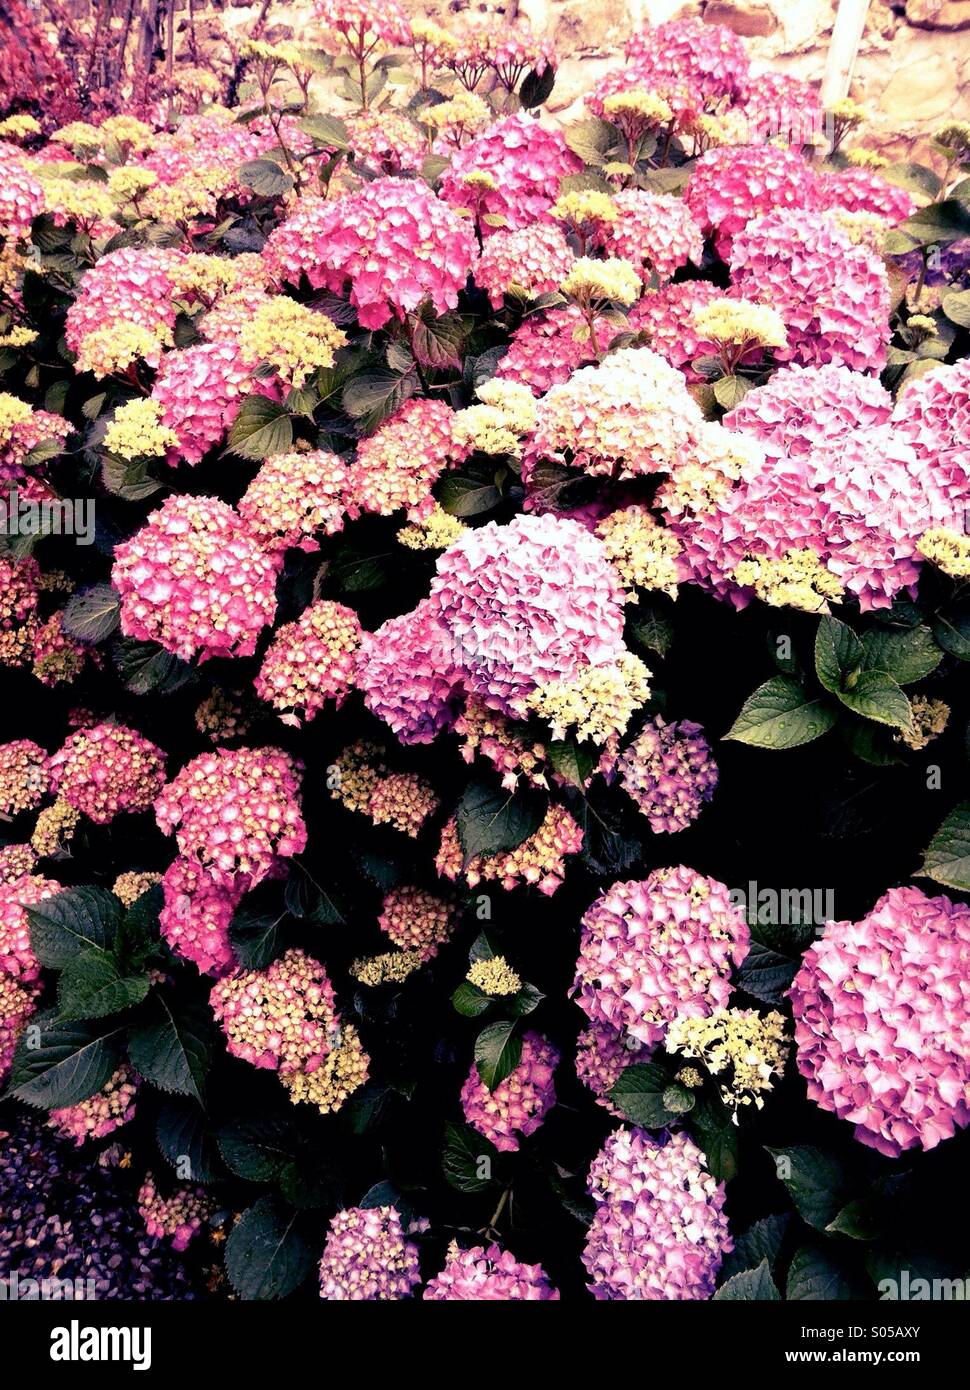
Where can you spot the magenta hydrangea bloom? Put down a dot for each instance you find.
(731, 185)
(134, 285)
(178, 1217)
(882, 1021)
(310, 661)
(655, 232)
(194, 580)
(17, 1003)
(861, 190)
(398, 465)
(536, 259)
(106, 770)
(394, 243)
(295, 496)
(544, 350)
(803, 408)
(17, 959)
(933, 415)
(489, 1275)
(694, 65)
(659, 949)
(102, 1113)
(667, 317)
(199, 391)
(197, 913)
(18, 437)
(779, 103)
(406, 670)
(659, 1231)
(669, 772)
(24, 776)
(833, 296)
(526, 162)
(526, 604)
(602, 1056)
(21, 196)
(367, 1257)
(519, 1104)
(235, 811)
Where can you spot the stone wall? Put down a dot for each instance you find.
(912, 72)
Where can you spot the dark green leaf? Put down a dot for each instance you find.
(779, 714)
(257, 1148)
(948, 858)
(575, 762)
(877, 696)
(469, 1159)
(815, 1181)
(327, 131)
(75, 920)
(754, 1285)
(640, 1093)
(93, 985)
(490, 820)
(172, 1049)
(952, 631)
(145, 667)
(537, 87)
(906, 655)
(469, 1000)
(762, 1241)
(838, 652)
(470, 490)
(595, 141)
(372, 396)
(70, 1062)
(437, 342)
(265, 177)
(262, 428)
(185, 1141)
(266, 1255)
(498, 1052)
(93, 614)
(815, 1275)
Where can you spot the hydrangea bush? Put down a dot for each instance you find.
(483, 613)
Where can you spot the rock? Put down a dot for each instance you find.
(920, 91)
(750, 20)
(939, 14)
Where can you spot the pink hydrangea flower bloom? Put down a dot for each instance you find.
(669, 772)
(659, 949)
(519, 1104)
(882, 1023)
(489, 1275)
(731, 185)
(526, 162)
(107, 770)
(367, 1257)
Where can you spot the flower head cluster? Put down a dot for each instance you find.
(387, 968)
(57, 657)
(398, 465)
(194, 580)
(597, 703)
(797, 579)
(407, 673)
(659, 1231)
(24, 776)
(386, 140)
(199, 391)
(106, 770)
(416, 920)
(21, 196)
(861, 190)
(644, 554)
(483, 1275)
(285, 1018)
(527, 604)
(882, 1027)
(197, 913)
(655, 232)
(494, 976)
(436, 531)
(669, 772)
(730, 185)
(666, 316)
(17, 958)
(293, 339)
(631, 415)
(129, 886)
(948, 550)
(102, 1113)
(750, 1047)
(54, 829)
(362, 24)
(602, 1056)
(517, 1106)
(295, 496)
(511, 750)
(136, 431)
(394, 242)
(17, 1003)
(833, 296)
(132, 289)
(659, 949)
(525, 163)
(368, 1257)
(15, 861)
(547, 348)
(505, 415)
(310, 661)
(526, 263)
(22, 429)
(803, 408)
(178, 1217)
(540, 860)
(235, 811)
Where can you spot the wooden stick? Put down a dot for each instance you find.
(846, 37)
